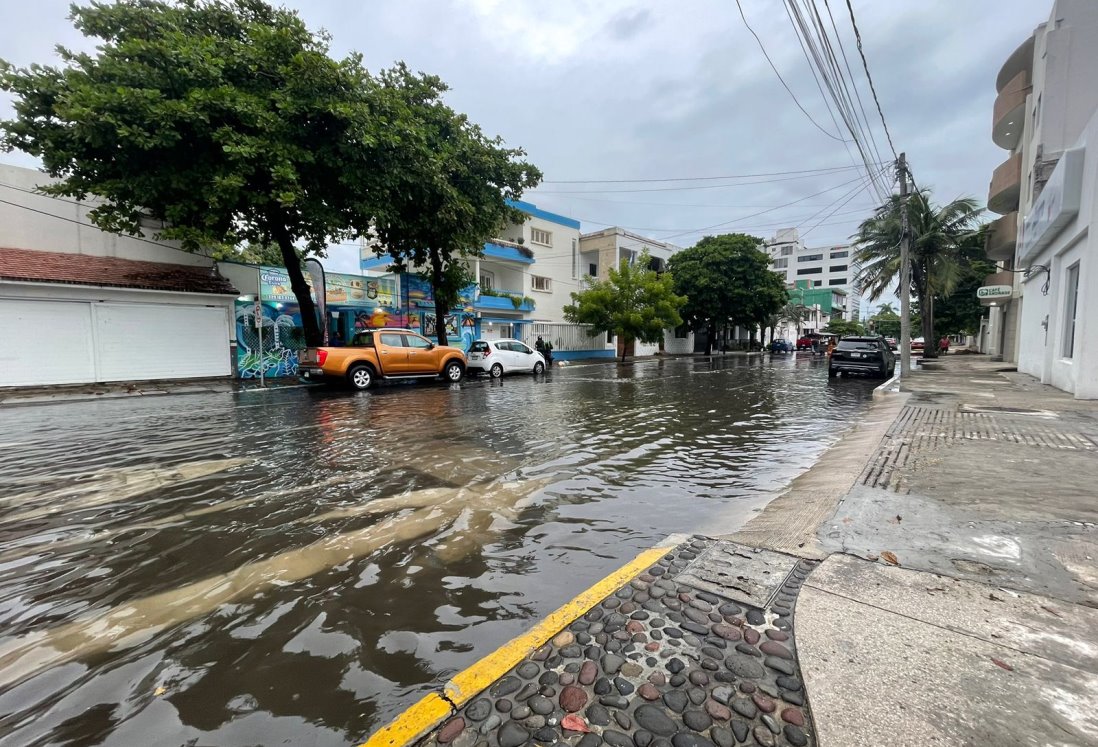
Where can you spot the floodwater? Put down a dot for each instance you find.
(296, 566)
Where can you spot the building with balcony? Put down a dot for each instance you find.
(829, 267)
(1045, 98)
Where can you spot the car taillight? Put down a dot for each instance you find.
(321, 356)
(487, 352)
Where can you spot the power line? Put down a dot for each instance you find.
(686, 189)
(869, 77)
(784, 84)
(696, 178)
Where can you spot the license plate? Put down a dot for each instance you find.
(474, 357)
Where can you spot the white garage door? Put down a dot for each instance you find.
(78, 342)
(45, 342)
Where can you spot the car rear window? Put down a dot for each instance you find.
(858, 345)
(363, 340)
(479, 346)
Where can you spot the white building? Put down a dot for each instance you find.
(821, 267)
(80, 305)
(1044, 116)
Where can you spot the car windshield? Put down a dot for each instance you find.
(858, 345)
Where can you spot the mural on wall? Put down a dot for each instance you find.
(354, 303)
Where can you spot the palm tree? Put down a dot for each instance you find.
(938, 236)
(885, 308)
(794, 313)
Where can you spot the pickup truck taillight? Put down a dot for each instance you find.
(321, 356)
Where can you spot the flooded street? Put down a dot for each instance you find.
(296, 566)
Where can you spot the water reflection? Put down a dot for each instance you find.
(300, 564)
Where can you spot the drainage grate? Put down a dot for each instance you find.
(921, 429)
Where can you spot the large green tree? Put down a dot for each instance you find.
(938, 238)
(959, 312)
(636, 303)
(727, 280)
(444, 192)
(228, 121)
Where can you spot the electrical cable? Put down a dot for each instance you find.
(686, 189)
(869, 77)
(696, 178)
(81, 223)
(784, 84)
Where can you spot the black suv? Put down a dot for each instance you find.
(866, 355)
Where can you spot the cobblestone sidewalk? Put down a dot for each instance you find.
(696, 651)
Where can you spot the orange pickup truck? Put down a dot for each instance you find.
(383, 354)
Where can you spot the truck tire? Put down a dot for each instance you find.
(361, 377)
(453, 371)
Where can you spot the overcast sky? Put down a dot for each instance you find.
(613, 89)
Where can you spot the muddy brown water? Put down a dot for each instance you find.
(297, 566)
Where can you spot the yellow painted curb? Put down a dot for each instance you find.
(427, 713)
(431, 710)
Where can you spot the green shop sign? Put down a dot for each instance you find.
(995, 292)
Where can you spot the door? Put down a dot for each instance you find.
(391, 353)
(46, 342)
(159, 341)
(421, 358)
(524, 356)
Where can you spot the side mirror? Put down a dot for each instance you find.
(430, 346)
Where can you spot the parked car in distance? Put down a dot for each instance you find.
(781, 345)
(918, 344)
(893, 344)
(379, 354)
(497, 357)
(805, 342)
(865, 355)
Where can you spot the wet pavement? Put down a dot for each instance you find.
(298, 566)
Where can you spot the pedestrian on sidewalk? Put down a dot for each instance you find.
(943, 345)
(540, 346)
(548, 353)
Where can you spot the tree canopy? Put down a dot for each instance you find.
(445, 191)
(230, 123)
(636, 303)
(938, 236)
(727, 279)
(844, 328)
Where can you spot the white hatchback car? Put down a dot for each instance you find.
(497, 357)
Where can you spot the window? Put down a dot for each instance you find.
(539, 283)
(417, 342)
(780, 263)
(593, 270)
(479, 346)
(837, 268)
(392, 340)
(487, 280)
(609, 336)
(810, 258)
(817, 283)
(787, 251)
(363, 340)
(1071, 301)
(538, 236)
(682, 332)
(810, 271)
(837, 281)
(840, 255)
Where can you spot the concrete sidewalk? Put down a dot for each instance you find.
(63, 394)
(982, 491)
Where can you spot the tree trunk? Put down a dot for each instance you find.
(441, 309)
(309, 322)
(930, 343)
(624, 346)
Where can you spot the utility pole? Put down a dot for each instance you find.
(905, 271)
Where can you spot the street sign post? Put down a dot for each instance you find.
(259, 328)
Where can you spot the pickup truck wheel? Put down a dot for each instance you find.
(539, 368)
(361, 377)
(497, 371)
(453, 371)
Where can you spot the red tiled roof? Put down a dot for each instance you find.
(84, 269)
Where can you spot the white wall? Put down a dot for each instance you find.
(555, 263)
(1040, 353)
(63, 225)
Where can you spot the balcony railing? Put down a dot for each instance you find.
(1006, 185)
(1002, 237)
(498, 299)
